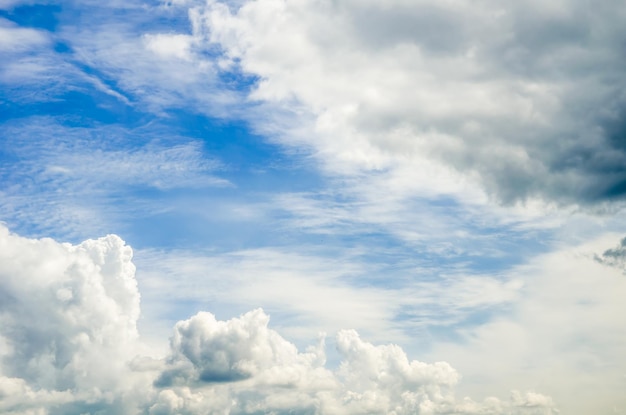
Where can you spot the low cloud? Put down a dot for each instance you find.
(68, 316)
(70, 345)
(241, 366)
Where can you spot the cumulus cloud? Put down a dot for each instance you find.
(522, 99)
(68, 323)
(242, 366)
(70, 345)
(212, 351)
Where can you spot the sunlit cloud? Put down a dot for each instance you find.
(426, 197)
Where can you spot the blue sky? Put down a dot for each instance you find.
(444, 178)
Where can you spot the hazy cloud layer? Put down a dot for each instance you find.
(70, 345)
(524, 99)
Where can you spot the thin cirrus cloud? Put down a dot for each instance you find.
(356, 293)
(77, 176)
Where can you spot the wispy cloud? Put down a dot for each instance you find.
(385, 301)
(65, 178)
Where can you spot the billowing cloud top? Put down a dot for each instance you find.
(70, 346)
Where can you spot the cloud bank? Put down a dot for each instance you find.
(70, 345)
(523, 100)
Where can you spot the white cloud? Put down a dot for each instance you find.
(211, 351)
(68, 319)
(241, 366)
(156, 71)
(565, 335)
(29, 70)
(553, 325)
(15, 39)
(70, 345)
(169, 45)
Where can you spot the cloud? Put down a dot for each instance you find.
(30, 71)
(70, 345)
(79, 179)
(241, 366)
(211, 351)
(68, 316)
(169, 45)
(615, 257)
(552, 324)
(521, 99)
(564, 335)
(394, 301)
(14, 39)
(158, 72)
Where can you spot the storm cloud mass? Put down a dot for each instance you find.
(527, 98)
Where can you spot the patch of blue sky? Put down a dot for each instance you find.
(40, 16)
(236, 79)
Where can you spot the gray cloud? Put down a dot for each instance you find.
(523, 97)
(615, 257)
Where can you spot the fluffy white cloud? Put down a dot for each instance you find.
(207, 350)
(67, 322)
(70, 346)
(241, 366)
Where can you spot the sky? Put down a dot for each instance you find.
(321, 207)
